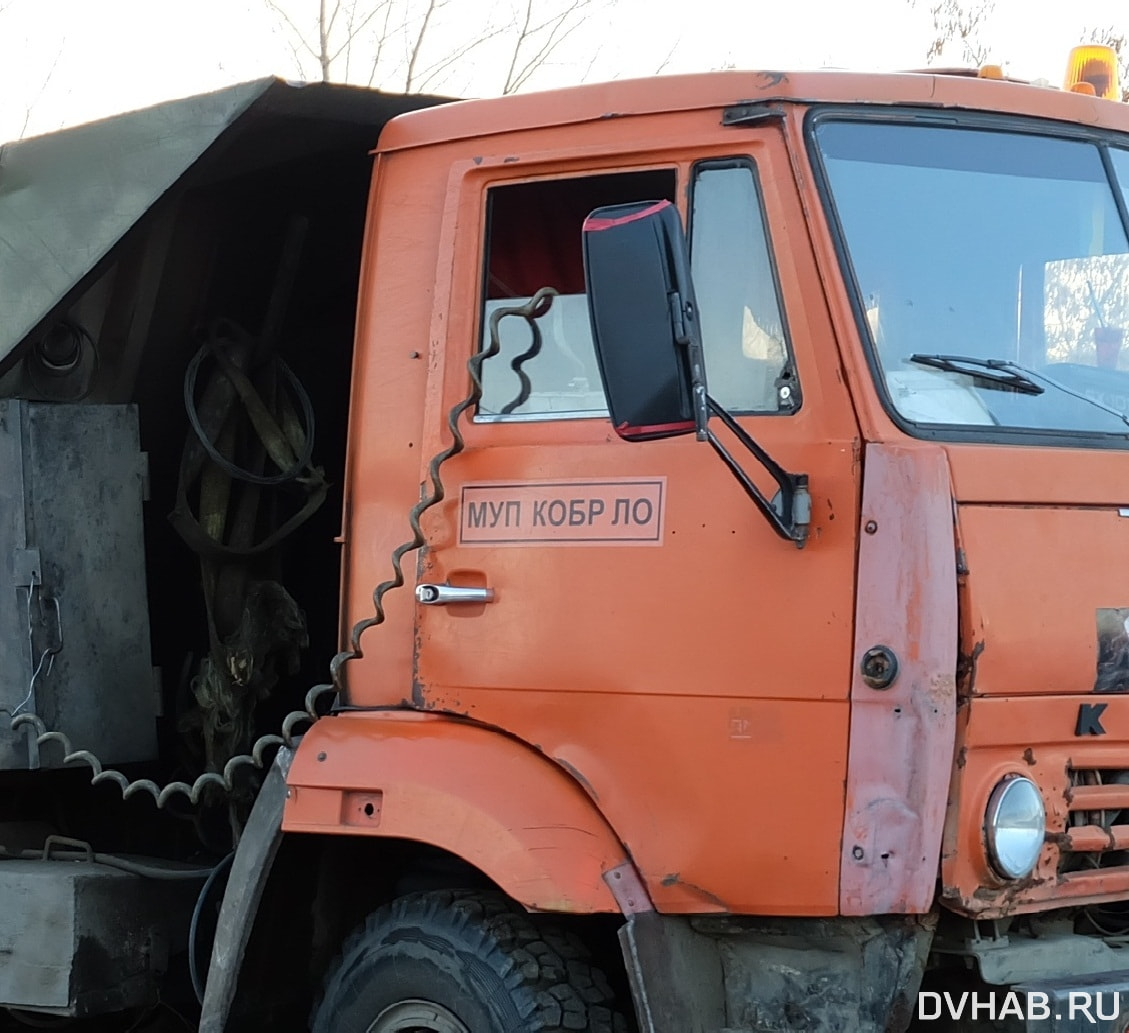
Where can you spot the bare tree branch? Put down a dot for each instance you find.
(297, 54)
(522, 33)
(332, 17)
(353, 31)
(29, 107)
(960, 22)
(428, 77)
(397, 37)
(559, 30)
(665, 62)
(381, 37)
(297, 33)
(323, 42)
(409, 81)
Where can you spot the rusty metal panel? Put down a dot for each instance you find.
(74, 617)
(903, 692)
(1079, 776)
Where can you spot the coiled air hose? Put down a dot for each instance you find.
(297, 720)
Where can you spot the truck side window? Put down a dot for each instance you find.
(533, 240)
(748, 362)
(1121, 168)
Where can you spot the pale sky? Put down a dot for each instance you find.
(68, 61)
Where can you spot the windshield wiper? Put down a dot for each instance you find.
(998, 371)
(1012, 374)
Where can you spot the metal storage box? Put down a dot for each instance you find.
(74, 625)
(79, 938)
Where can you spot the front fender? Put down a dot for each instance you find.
(475, 792)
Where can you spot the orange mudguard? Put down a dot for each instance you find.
(488, 798)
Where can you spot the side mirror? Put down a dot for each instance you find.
(649, 348)
(644, 320)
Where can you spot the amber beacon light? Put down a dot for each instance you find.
(1093, 69)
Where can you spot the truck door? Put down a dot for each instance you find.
(646, 629)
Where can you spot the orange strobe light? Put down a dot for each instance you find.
(1094, 66)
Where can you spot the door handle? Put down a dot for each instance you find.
(444, 595)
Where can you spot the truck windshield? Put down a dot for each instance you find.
(1006, 248)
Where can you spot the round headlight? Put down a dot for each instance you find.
(1015, 826)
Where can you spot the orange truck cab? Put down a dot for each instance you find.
(734, 600)
(814, 748)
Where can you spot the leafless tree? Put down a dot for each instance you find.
(30, 99)
(1119, 43)
(431, 73)
(543, 28)
(959, 22)
(665, 62)
(330, 41)
(29, 106)
(415, 45)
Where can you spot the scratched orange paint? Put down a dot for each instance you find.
(701, 693)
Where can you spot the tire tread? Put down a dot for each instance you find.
(548, 971)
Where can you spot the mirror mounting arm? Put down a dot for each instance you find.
(790, 513)
(684, 320)
(649, 344)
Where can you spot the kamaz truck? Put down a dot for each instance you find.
(642, 558)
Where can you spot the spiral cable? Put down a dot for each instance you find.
(533, 309)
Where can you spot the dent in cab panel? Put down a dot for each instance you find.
(1044, 587)
(654, 674)
(989, 262)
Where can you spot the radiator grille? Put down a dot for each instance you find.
(1097, 826)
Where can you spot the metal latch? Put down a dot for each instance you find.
(443, 595)
(27, 568)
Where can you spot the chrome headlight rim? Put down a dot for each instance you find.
(1014, 849)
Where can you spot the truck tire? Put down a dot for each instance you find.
(454, 961)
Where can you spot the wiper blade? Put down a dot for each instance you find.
(998, 371)
(1004, 371)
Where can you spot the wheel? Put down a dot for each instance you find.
(454, 961)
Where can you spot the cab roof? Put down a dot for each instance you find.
(474, 119)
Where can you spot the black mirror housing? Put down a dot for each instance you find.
(649, 348)
(644, 320)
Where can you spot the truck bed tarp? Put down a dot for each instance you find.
(67, 198)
